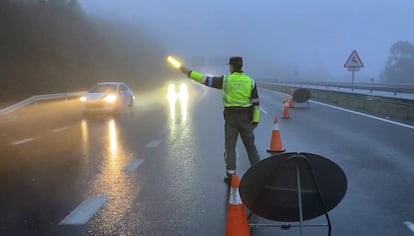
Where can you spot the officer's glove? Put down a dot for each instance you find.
(254, 124)
(185, 70)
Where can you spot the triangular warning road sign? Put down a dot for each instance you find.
(354, 61)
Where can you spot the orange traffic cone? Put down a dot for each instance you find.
(236, 224)
(275, 141)
(285, 114)
(291, 102)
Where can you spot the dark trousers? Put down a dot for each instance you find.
(238, 122)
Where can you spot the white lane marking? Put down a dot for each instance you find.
(84, 211)
(355, 112)
(410, 225)
(366, 115)
(133, 166)
(60, 129)
(153, 144)
(23, 141)
(263, 110)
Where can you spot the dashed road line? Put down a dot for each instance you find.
(153, 144)
(31, 139)
(60, 129)
(133, 166)
(22, 141)
(410, 225)
(263, 110)
(81, 214)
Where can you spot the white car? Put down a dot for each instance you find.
(107, 97)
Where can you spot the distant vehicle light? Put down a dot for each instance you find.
(82, 99)
(111, 98)
(171, 95)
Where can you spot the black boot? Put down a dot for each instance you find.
(227, 179)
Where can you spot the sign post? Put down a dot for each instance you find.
(353, 64)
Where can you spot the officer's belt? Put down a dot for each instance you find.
(238, 109)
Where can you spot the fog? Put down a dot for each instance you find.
(295, 39)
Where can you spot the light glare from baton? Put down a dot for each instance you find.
(174, 62)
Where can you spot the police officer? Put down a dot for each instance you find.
(241, 110)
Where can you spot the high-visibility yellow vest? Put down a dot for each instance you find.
(236, 90)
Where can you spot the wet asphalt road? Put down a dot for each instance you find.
(157, 169)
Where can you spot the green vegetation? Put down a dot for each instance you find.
(400, 64)
(52, 46)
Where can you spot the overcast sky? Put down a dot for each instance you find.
(275, 37)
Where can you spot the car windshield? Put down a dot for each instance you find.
(103, 88)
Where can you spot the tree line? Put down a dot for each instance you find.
(52, 46)
(399, 67)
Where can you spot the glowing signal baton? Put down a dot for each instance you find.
(174, 62)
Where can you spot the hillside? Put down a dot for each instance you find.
(53, 46)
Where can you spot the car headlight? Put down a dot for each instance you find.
(111, 98)
(82, 99)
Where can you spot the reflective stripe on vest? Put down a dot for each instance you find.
(236, 90)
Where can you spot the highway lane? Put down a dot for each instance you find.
(377, 157)
(94, 158)
(154, 170)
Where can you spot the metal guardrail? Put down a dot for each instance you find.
(383, 87)
(38, 98)
(394, 88)
(399, 107)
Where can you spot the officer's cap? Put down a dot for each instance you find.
(235, 61)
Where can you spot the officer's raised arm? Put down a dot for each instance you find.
(210, 81)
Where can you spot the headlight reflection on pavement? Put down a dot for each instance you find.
(113, 140)
(181, 96)
(172, 98)
(108, 162)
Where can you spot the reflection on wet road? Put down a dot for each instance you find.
(157, 169)
(182, 97)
